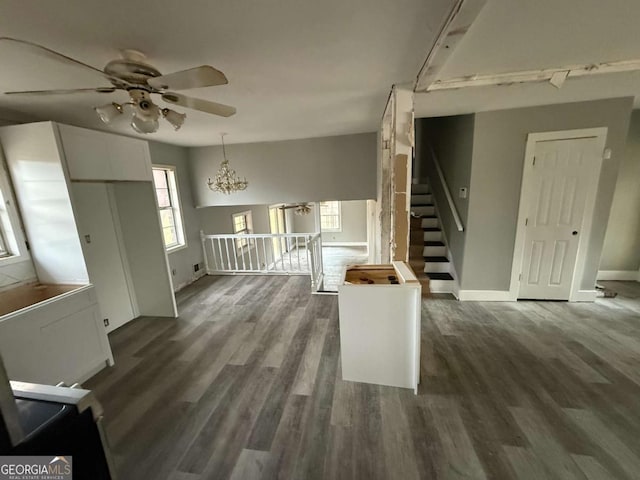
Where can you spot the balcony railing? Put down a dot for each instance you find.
(264, 254)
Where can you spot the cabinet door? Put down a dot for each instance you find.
(129, 159)
(87, 153)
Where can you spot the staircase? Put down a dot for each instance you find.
(428, 253)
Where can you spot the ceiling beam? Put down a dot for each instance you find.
(555, 76)
(460, 18)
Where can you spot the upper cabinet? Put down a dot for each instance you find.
(92, 155)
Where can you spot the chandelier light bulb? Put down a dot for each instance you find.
(146, 114)
(108, 112)
(174, 118)
(142, 125)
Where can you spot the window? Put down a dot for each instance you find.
(164, 179)
(12, 242)
(4, 252)
(330, 217)
(242, 224)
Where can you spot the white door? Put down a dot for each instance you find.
(559, 188)
(103, 253)
(277, 225)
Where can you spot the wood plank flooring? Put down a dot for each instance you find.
(246, 384)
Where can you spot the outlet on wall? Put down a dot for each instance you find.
(196, 267)
(173, 271)
(106, 322)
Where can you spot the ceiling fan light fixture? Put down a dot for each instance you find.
(108, 112)
(143, 125)
(174, 118)
(302, 209)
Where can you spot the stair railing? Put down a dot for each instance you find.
(447, 193)
(264, 254)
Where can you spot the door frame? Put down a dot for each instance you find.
(600, 133)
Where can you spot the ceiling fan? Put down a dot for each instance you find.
(300, 208)
(140, 80)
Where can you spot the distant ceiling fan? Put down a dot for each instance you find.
(140, 79)
(300, 208)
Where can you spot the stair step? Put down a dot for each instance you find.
(439, 276)
(420, 189)
(433, 244)
(431, 222)
(423, 210)
(431, 229)
(436, 259)
(422, 205)
(428, 216)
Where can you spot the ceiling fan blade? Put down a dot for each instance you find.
(204, 76)
(199, 104)
(59, 56)
(63, 92)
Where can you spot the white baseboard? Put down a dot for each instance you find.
(584, 296)
(625, 275)
(344, 244)
(485, 296)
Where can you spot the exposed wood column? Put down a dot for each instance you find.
(395, 151)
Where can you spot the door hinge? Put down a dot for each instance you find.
(526, 222)
(534, 161)
(520, 277)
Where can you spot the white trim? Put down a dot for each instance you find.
(460, 18)
(584, 296)
(344, 244)
(518, 253)
(622, 275)
(532, 76)
(485, 296)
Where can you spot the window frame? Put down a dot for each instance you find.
(175, 205)
(338, 215)
(243, 244)
(14, 244)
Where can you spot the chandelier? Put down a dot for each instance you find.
(225, 180)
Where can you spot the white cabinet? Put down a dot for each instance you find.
(92, 155)
(59, 339)
(380, 325)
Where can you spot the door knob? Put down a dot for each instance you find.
(575, 232)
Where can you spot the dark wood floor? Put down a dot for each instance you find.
(247, 384)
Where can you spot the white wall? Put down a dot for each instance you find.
(313, 169)
(41, 189)
(182, 261)
(621, 251)
(218, 220)
(305, 223)
(354, 224)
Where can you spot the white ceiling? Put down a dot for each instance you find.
(296, 68)
(512, 35)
